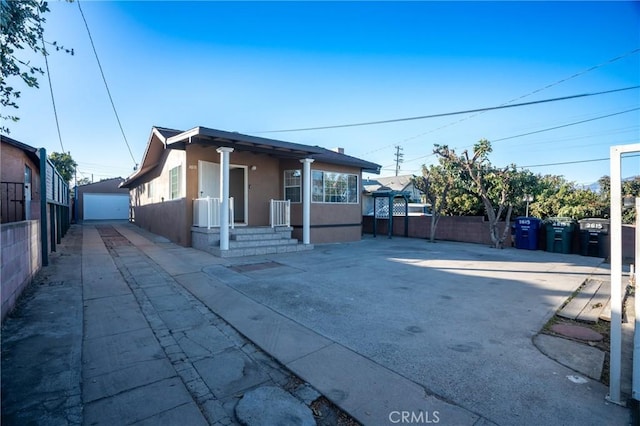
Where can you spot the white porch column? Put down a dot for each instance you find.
(224, 196)
(306, 200)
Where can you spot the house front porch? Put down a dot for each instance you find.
(247, 241)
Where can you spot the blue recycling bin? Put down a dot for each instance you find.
(527, 229)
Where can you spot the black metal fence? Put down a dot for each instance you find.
(12, 202)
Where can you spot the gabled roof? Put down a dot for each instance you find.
(176, 139)
(394, 183)
(104, 181)
(167, 133)
(397, 183)
(32, 153)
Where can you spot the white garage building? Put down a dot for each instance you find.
(103, 200)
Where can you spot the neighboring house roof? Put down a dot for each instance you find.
(394, 183)
(175, 139)
(32, 153)
(371, 185)
(103, 182)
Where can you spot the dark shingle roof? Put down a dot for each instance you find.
(167, 133)
(332, 157)
(177, 139)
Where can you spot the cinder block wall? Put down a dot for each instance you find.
(21, 260)
(474, 229)
(468, 229)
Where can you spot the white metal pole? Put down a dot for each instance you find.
(271, 214)
(636, 335)
(208, 212)
(224, 195)
(306, 200)
(616, 276)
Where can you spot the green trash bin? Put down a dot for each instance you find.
(560, 234)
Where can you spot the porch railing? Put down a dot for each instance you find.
(280, 213)
(206, 212)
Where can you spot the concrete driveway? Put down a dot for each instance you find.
(457, 319)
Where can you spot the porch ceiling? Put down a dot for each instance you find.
(241, 142)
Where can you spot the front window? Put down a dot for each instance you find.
(175, 182)
(292, 185)
(332, 187)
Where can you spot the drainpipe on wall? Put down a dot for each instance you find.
(44, 246)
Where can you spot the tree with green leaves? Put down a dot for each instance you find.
(498, 188)
(630, 188)
(548, 193)
(22, 30)
(435, 183)
(65, 164)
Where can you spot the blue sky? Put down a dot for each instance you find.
(254, 67)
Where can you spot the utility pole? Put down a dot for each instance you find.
(399, 158)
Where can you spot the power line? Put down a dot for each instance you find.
(423, 117)
(53, 101)
(543, 130)
(565, 125)
(105, 84)
(591, 160)
(573, 162)
(548, 86)
(578, 74)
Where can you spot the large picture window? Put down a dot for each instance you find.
(292, 185)
(332, 187)
(175, 182)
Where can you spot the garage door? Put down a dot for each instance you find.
(105, 206)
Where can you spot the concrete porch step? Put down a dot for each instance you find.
(262, 243)
(248, 241)
(258, 251)
(261, 236)
(240, 230)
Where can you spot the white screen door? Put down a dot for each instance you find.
(208, 179)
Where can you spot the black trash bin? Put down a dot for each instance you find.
(560, 234)
(527, 232)
(593, 237)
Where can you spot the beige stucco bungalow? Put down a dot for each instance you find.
(211, 181)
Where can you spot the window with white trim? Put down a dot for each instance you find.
(175, 182)
(292, 185)
(333, 187)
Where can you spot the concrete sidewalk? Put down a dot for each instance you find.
(367, 324)
(107, 337)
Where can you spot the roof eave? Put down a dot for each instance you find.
(241, 142)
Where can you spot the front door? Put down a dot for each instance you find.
(209, 186)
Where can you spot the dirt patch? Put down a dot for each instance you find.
(327, 414)
(602, 327)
